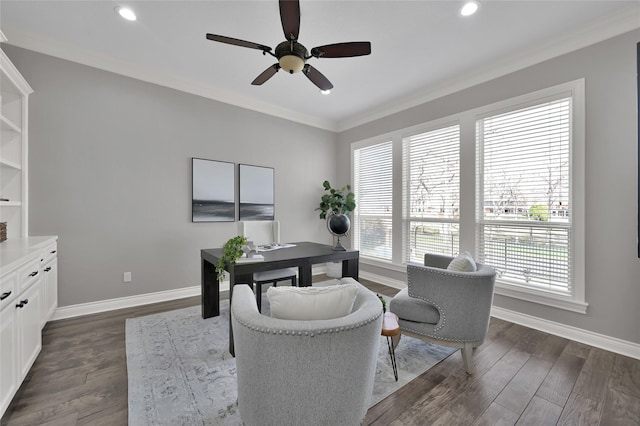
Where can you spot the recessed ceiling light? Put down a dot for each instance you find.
(469, 8)
(325, 92)
(126, 13)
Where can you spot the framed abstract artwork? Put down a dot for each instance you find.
(213, 191)
(257, 189)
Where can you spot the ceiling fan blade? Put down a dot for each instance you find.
(342, 50)
(317, 78)
(290, 17)
(266, 75)
(238, 42)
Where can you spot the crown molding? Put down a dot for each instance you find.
(625, 20)
(73, 53)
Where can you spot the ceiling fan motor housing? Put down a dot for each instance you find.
(291, 56)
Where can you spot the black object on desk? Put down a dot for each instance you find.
(303, 256)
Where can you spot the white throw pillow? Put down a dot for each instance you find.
(463, 263)
(312, 303)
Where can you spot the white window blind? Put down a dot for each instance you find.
(524, 204)
(373, 180)
(431, 164)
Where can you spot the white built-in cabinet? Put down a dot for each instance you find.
(14, 107)
(28, 265)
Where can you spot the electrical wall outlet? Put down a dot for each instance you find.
(126, 277)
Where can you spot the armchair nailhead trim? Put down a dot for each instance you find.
(307, 333)
(435, 336)
(431, 302)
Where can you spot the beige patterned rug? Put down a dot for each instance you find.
(180, 372)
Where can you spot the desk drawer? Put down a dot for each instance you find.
(29, 273)
(50, 252)
(8, 288)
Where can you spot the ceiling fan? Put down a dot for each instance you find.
(291, 55)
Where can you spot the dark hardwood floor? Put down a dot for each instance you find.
(523, 377)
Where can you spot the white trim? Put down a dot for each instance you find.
(575, 89)
(619, 23)
(380, 279)
(591, 338)
(123, 302)
(381, 264)
(141, 299)
(541, 297)
(613, 25)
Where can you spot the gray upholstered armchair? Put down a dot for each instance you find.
(446, 307)
(318, 372)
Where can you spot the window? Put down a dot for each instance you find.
(525, 209)
(520, 162)
(431, 164)
(374, 201)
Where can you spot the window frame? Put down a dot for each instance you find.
(574, 300)
(356, 231)
(406, 200)
(468, 219)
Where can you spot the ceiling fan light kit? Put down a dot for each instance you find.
(291, 55)
(469, 8)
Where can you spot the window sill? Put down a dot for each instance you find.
(383, 264)
(541, 297)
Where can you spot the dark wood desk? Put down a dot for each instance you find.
(302, 256)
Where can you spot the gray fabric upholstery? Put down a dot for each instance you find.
(462, 301)
(305, 372)
(413, 309)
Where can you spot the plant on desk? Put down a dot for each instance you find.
(231, 251)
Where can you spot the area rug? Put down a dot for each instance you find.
(181, 373)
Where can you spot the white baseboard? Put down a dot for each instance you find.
(125, 302)
(141, 299)
(597, 340)
(380, 279)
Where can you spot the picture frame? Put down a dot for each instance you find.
(257, 189)
(213, 194)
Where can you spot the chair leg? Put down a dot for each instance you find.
(259, 296)
(294, 281)
(467, 352)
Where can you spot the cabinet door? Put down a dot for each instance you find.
(29, 331)
(8, 356)
(50, 289)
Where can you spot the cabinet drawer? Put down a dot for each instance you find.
(29, 273)
(8, 288)
(50, 252)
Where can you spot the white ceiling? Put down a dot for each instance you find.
(420, 49)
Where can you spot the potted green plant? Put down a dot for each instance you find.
(231, 251)
(335, 206)
(338, 201)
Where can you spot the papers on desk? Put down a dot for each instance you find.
(272, 247)
(254, 258)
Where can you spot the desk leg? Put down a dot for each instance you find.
(350, 268)
(304, 275)
(210, 290)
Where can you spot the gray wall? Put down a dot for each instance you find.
(110, 174)
(612, 265)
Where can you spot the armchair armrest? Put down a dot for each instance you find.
(463, 299)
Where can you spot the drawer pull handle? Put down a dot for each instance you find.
(33, 274)
(25, 301)
(5, 295)
(22, 303)
(47, 269)
(54, 252)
